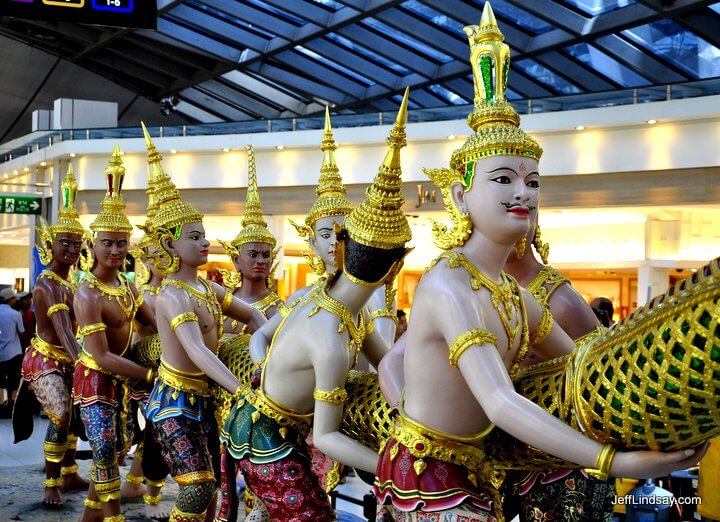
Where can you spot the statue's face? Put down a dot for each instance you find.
(191, 246)
(66, 248)
(323, 244)
(503, 198)
(110, 249)
(254, 261)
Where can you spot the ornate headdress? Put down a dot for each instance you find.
(112, 218)
(495, 124)
(378, 221)
(171, 212)
(330, 192)
(151, 190)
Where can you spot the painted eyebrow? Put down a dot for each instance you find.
(325, 228)
(503, 168)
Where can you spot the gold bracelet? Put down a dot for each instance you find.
(336, 396)
(57, 308)
(544, 327)
(93, 504)
(133, 479)
(53, 482)
(604, 463)
(476, 336)
(385, 313)
(227, 300)
(151, 500)
(183, 318)
(149, 376)
(90, 329)
(155, 483)
(114, 518)
(68, 470)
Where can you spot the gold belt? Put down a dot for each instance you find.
(284, 417)
(89, 362)
(195, 383)
(50, 350)
(423, 442)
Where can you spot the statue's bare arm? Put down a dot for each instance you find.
(50, 295)
(330, 360)
(88, 306)
(145, 316)
(571, 312)
(261, 339)
(485, 373)
(391, 374)
(172, 303)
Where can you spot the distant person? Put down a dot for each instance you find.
(402, 324)
(11, 326)
(24, 306)
(604, 305)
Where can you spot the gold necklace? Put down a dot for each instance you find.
(507, 293)
(150, 289)
(262, 305)
(70, 283)
(355, 331)
(122, 294)
(207, 298)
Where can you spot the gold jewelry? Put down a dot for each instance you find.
(384, 313)
(207, 298)
(53, 351)
(333, 477)
(379, 221)
(227, 300)
(255, 228)
(68, 217)
(114, 518)
(544, 327)
(93, 504)
(90, 329)
(474, 337)
(195, 477)
(155, 483)
(122, 293)
(57, 308)
(520, 245)
(182, 381)
(133, 479)
(150, 289)
(542, 248)
(68, 470)
(152, 500)
(70, 283)
(547, 276)
(180, 516)
(149, 376)
(336, 396)
(112, 218)
(461, 224)
(183, 318)
(53, 482)
(603, 463)
(54, 451)
(356, 332)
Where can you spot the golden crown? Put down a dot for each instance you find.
(112, 218)
(330, 192)
(67, 221)
(171, 211)
(378, 221)
(255, 228)
(494, 122)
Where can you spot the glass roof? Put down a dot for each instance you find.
(600, 61)
(596, 7)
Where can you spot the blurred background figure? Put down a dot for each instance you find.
(402, 324)
(24, 306)
(11, 326)
(606, 309)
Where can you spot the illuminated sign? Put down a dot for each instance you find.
(140, 14)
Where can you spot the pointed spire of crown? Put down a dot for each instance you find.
(255, 228)
(67, 220)
(112, 217)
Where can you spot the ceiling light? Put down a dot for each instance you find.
(122, 152)
(72, 154)
(451, 137)
(580, 127)
(652, 122)
(26, 169)
(280, 147)
(173, 151)
(43, 164)
(15, 172)
(225, 149)
(6, 176)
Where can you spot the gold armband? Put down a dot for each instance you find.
(604, 463)
(227, 300)
(57, 308)
(336, 396)
(90, 329)
(544, 327)
(384, 313)
(149, 377)
(183, 318)
(477, 336)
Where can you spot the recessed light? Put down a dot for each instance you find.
(280, 147)
(580, 127)
(652, 122)
(225, 149)
(173, 151)
(72, 154)
(6, 176)
(15, 172)
(451, 137)
(43, 163)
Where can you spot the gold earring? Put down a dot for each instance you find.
(542, 248)
(315, 263)
(520, 247)
(461, 227)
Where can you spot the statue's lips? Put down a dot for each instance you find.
(519, 211)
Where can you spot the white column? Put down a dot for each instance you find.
(652, 281)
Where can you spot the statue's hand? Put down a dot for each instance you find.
(651, 464)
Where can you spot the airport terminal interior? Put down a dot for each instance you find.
(246, 104)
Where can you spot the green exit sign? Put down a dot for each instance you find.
(21, 204)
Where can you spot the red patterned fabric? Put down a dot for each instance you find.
(289, 489)
(91, 386)
(439, 487)
(36, 365)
